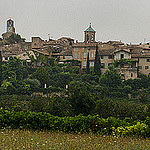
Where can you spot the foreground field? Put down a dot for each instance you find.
(30, 140)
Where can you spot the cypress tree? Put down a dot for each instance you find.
(0, 68)
(97, 63)
(88, 65)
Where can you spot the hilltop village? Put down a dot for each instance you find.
(130, 59)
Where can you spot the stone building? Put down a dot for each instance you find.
(136, 58)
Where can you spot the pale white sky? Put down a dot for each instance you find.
(126, 20)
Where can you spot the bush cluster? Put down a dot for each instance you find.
(80, 123)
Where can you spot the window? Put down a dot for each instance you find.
(3, 58)
(85, 48)
(91, 64)
(24, 54)
(68, 57)
(102, 57)
(75, 55)
(84, 64)
(102, 45)
(102, 65)
(6, 58)
(148, 60)
(81, 55)
(63, 57)
(92, 37)
(131, 74)
(87, 37)
(92, 55)
(140, 67)
(76, 49)
(109, 64)
(122, 56)
(146, 67)
(81, 49)
(84, 55)
(110, 57)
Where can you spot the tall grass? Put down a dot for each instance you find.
(38, 140)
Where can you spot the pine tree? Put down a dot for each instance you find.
(97, 63)
(88, 65)
(0, 68)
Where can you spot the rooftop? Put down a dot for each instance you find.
(90, 29)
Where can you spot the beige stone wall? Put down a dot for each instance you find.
(118, 55)
(143, 63)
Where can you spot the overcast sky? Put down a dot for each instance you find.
(126, 20)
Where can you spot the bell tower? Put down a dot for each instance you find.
(89, 35)
(10, 26)
(10, 29)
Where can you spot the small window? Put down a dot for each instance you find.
(146, 67)
(63, 57)
(76, 49)
(102, 46)
(140, 67)
(75, 55)
(102, 57)
(131, 74)
(3, 58)
(81, 49)
(122, 56)
(68, 57)
(109, 64)
(102, 65)
(81, 55)
(85, 48)
(91, 64)
(148, 60)
(92, 55)
(24, 54)
(85, 55)
(6, 58)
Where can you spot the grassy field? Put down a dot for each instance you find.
(30, 140)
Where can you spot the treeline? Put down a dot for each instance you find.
(68, 91)
(77, 102)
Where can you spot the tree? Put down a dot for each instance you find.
(88, 65)
(42, 75)
(14, 64)
(97, 63)
(111, 78)
(0, 68)
(80, 99)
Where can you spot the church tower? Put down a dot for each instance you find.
(10, 29)
(89, 34)
(10, 26)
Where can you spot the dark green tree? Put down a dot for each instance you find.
(111, 78)
(0, 68)
(88, 65)
(97, 63)
(14, 64)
